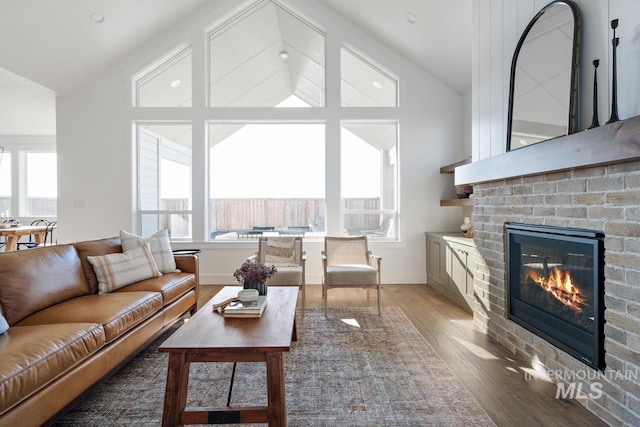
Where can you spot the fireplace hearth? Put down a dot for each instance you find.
(555, 287)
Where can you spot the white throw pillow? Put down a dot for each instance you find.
(160, 248)
(120, 269)
(4, 326)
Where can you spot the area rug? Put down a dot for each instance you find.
(354, 369)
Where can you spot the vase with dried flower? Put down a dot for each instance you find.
(254, 275)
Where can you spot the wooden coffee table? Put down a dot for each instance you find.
(209, 337)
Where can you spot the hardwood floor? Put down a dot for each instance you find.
(486, 369)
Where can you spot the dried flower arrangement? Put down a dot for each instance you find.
(254, 272)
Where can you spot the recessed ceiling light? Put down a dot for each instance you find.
(176, 83)
(97, 17)
(283, 54)
(411, 17)
(377, 85)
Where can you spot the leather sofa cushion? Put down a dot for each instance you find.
(170, 285)
(38, 278)
(33, 356)
(117, 312)
(94, 248)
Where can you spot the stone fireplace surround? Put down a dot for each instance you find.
(583, 186)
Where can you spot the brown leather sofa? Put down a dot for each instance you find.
(64, 336)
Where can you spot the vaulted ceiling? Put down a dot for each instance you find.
(49, 48)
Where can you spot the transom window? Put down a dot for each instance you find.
(264, 56)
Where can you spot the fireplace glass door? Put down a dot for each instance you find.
(555, 284)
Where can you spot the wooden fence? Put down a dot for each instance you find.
(243, 214)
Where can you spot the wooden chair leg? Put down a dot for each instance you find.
(379, 302)
(325, 297)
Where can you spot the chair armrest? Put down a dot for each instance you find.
(373, 258)
(253, 258)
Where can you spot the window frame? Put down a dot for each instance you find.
(201, 113)
(137, 127)
(18, 151)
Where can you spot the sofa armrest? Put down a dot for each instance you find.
(187, 263)
(190, 264)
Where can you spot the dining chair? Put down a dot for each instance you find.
(347, 262)
(30, 244)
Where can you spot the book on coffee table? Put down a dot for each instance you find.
(239, 309)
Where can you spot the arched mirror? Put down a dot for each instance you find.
(544, 77)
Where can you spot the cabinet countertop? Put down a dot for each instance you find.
(454, 236)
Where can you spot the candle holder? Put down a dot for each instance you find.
(594, 120)
(614, 81)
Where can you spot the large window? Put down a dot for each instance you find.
(42, 188)
(164, 179)
(266, 177)
(369, 178)
(5, 183)
(28, 181)
(266, 149)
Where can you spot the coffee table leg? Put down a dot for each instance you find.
(276, 412)
(175, 397)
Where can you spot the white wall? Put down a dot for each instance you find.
(96, 163)
(498, 24)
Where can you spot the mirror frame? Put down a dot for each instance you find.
(575, 58)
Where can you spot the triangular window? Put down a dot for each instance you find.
(263, 56)
(364, 84)
(167, 83)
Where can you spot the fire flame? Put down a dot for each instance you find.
(561, 286)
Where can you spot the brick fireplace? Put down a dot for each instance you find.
(587, 194)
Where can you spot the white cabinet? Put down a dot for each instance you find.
(450, 262)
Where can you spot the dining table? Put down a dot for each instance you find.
(13, 235)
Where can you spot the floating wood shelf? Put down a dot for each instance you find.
(447, 169)
(452, 167)
(456, 202)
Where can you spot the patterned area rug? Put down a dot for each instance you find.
(355, 369)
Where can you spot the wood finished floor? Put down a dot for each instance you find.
(492, 374)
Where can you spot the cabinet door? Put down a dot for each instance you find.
(435, 259)
(461, 258)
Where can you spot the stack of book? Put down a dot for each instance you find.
(239, 309)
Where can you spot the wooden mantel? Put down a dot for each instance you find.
(617, 142)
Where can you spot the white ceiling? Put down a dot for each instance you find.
(53, 45)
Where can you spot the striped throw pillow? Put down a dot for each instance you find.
(120, 269)
(160, 248)
(280, 251)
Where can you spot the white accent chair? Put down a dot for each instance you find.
(347, 262)
(287, 254)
